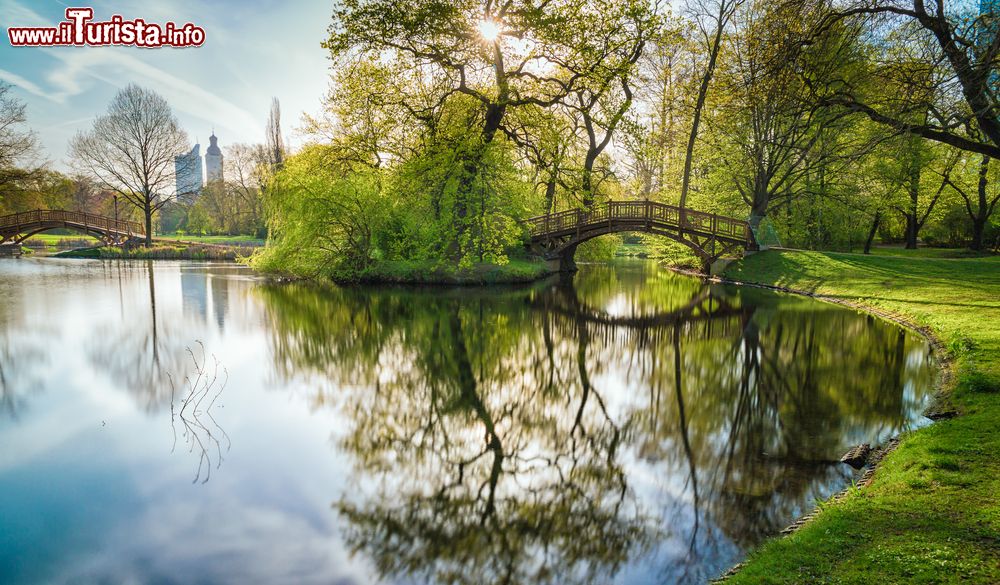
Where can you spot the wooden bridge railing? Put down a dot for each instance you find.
(86, 220)
(638, 211)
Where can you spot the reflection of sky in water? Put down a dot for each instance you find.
(93, 491)
(91, 487)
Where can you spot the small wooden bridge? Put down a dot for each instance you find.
(555, 236)
(17, 227)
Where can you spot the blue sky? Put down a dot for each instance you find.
(254, 49)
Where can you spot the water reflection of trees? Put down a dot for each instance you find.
(479, 470)
(17, 382)
(499, 436)
(143, 351)
(23, 355)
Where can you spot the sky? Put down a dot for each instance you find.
(254, 50)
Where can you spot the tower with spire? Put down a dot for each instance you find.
(213, 160)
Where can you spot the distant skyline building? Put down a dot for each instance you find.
(213, 159)
(189, 176)
(187, 170)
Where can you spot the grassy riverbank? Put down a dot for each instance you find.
(55, 241)
(160, 251)
(245, 241)
(932, 514)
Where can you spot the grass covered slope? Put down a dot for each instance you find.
(932, 514)
(161, 251)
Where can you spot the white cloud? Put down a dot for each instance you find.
(268, 49)
(13, 13)
(28, 86)
(116, 67)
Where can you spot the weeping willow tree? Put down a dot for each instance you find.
(323, 215)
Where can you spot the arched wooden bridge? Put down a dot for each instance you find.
(555, 236)
(17, 227)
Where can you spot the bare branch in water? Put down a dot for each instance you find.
(199, 429)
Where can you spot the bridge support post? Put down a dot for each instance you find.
(719, 266)
(564, 262)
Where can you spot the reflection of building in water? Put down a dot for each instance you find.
(220, 299)
(194, 293)
(206, 296)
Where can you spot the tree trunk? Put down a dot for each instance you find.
(586, 180)
(471, 168)
(979, 219)
(463, 196)
(978, 228)
(758, 210)
(147, 211)
(494, 115)
(871, 233)
(911, 231)
(912, 221)
(700, 104)
(550, 192)
(595, 148)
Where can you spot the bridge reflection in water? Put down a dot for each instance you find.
(628, 426)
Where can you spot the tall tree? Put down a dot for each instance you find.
(769, 134)
(963, 45)
(711, 17)
(130, 150)
(545, 138)
(501, 56)
(651, 136)
(274, 143)
(600, 113)
(979, 203)
(604, 96)
(18, 144)
(248, 175)
(914, 161)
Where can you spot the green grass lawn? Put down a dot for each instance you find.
(159, 251)
(634, 250)
(932, 514)
(241, 240)
(53, 240)
(928, 252)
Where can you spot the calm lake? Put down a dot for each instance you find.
(189, 423)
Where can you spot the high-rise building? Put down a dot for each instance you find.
(213, 159)
(187, 171)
